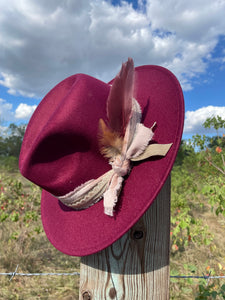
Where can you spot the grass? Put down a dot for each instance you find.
(24, 243)
(202, 251)
(197, 241)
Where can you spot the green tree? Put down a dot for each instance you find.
(10, 144)
(215, 122)
(186, 149)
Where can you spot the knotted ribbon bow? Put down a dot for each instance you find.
(125, 139)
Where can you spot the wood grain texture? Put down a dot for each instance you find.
(137, 265)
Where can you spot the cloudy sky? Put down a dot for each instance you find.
(43, 42)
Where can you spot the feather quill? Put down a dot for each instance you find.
(119, 102)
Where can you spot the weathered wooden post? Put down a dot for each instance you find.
(137, 265)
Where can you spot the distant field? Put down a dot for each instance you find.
(197, 237)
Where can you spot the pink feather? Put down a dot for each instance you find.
(119, 102)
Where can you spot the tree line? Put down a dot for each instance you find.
(11, 140)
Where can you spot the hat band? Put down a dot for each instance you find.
(135, 148)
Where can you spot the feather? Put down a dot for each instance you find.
(110, 142)
(119, 102)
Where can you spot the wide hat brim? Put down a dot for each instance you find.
(84, 232)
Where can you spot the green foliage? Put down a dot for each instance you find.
(9, 162)
(186, 149)
(213, 142)
(11, 142)
(197, 186)
(215, 122)
(210, 291)
(214, 190)
(186, 229)
(24, 243)
(212, 150)
(15, 203)
(199, 141)
(197, 194)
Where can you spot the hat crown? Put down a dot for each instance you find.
(60, 134)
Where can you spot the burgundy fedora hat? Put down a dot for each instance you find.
(101, 153)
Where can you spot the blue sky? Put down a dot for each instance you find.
(209, 88)
(50, 40)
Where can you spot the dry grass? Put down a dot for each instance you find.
(22, 245)
(200, 260)
(35, 255)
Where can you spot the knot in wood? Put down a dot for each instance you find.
(138, 234)
(112, 293)
(86, 295)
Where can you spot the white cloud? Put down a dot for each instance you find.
(3, 131)
(5, 111)
(24, 111)
(194, 119)
(50, 40)
(193, 20)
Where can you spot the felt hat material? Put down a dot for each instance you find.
(60, 152)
